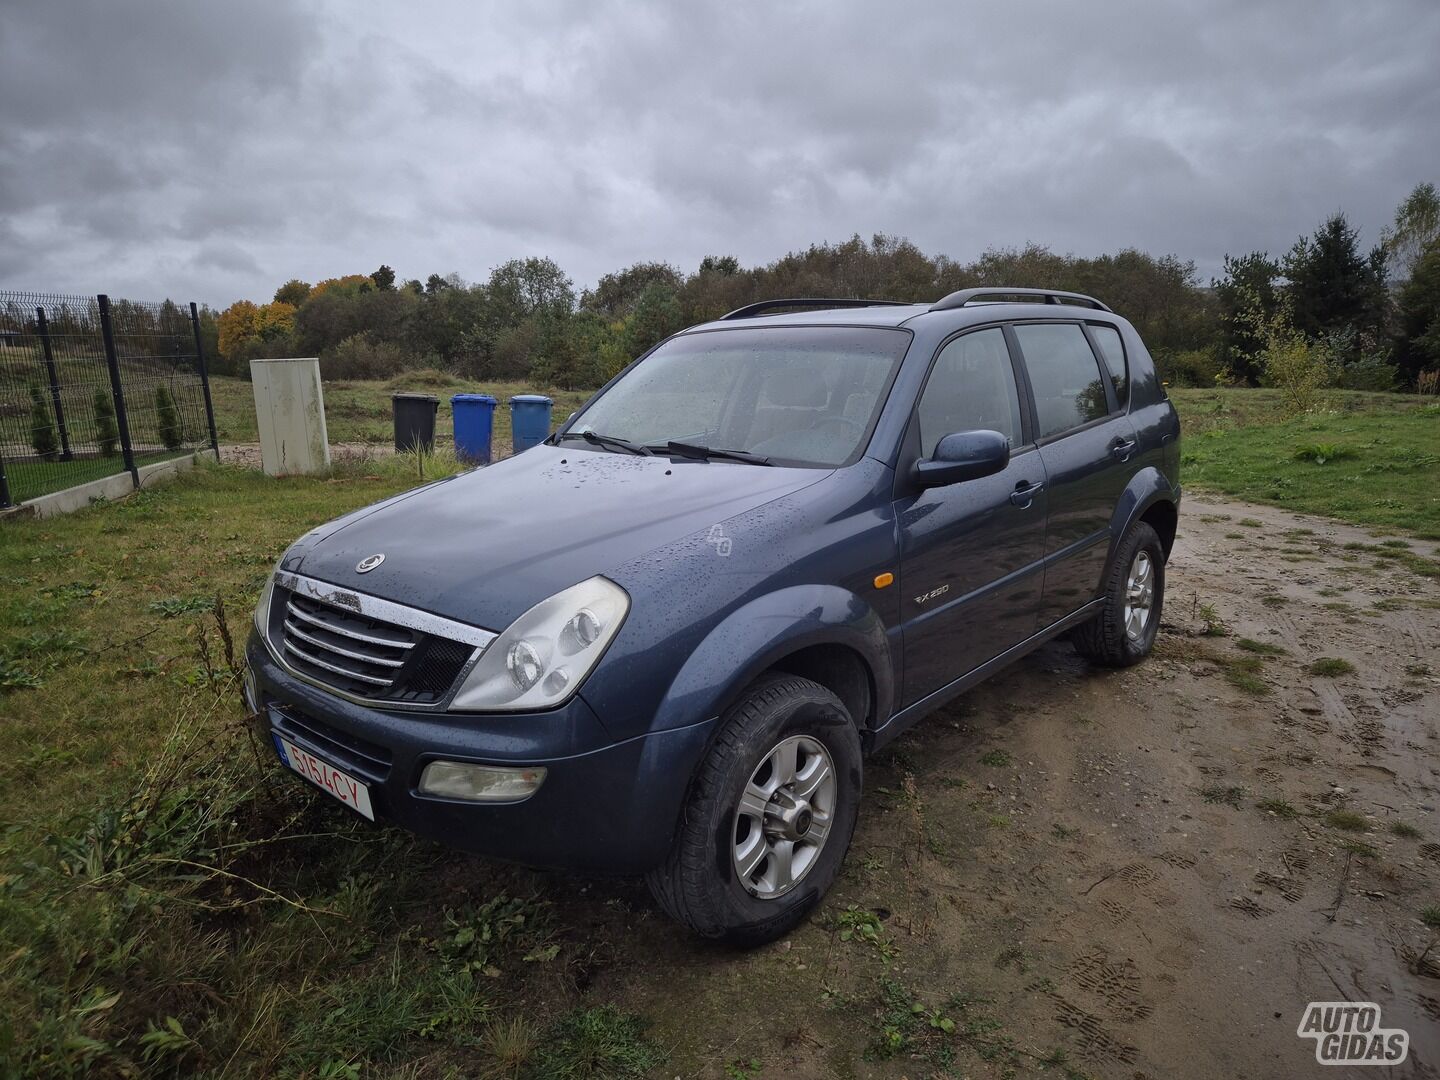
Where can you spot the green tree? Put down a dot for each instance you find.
(167, 419)
(1417, 347)
(384, 278)
(656, 317)
(724, 265)
(106, 433)
(615, 295)
(1336, 291)
(1415, 230)
(42, 424)
(1249, 289)
(294, 292)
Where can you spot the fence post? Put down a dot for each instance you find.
(204, 379)
(4, 487)
(113, 363)
(43, 326)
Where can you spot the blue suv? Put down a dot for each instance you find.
(662, 641)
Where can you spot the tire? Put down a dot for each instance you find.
(1105, 639)
(700, 883)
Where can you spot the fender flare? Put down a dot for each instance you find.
(1146, 488)
(759, 634)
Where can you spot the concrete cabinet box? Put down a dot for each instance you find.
(290, 413)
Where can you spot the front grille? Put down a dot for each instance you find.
(364, 656)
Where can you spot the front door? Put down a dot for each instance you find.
(970, 552)
(1087, 444)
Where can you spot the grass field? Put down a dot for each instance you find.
(1371, 459)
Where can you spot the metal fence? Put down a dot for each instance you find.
(92, 387)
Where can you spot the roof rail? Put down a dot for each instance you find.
(812, 301)
(1050, 296)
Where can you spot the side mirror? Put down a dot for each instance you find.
(965, 455)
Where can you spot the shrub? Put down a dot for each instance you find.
(106, 433)
(167, 417)
(1428, 382)
(1190, 368)
(362, 356)
(1320, 453)
(42, 424)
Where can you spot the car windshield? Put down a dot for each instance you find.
(805, 395)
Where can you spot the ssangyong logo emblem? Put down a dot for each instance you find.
(365, 565)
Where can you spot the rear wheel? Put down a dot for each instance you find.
(769, 817)
(1124, 631)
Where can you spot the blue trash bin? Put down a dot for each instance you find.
(474, 423)
(529, 420)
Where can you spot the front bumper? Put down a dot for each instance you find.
(604, 807)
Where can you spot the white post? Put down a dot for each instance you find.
(290, 414)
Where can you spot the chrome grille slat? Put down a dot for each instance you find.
(345, 631)
(295, 631)
(303, 655)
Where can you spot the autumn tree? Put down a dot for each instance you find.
(1415, 230)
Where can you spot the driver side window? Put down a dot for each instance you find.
(971, 387)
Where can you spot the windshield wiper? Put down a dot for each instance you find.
(611, 442)
(704, 453)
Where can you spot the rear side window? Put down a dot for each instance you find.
(1064, 375)
(971, 388)
(1108, 338)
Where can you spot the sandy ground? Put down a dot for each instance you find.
(1114, 891)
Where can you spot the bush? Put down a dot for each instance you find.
(1368, 373)
(361, 356)
(106, 433)
(42, 424)
(1191, 368)
(172, 432)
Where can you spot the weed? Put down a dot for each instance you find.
(996, 759)
(1320, 453)
(1251, 523)
(1229, 795)
(1404, 829)
(1279, 807)
(742, 1069)
(1417, 671)
(1211, 626)
(1243, 673)
(861, 924)
(1273, 600)
(172, 607)
(600, 1043)
(1430, 916)
(1346, 821)
(1262, 648)
(1360, 848)
(1063, 832)
(477, 938)
(1331, 667)
(509, 1045)
(998, 821)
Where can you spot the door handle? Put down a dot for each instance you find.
(1122, 448)
(1025, 493)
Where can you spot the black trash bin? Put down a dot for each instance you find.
(414, 420)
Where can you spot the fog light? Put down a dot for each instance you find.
(479, 783)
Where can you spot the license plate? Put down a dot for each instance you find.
(353, 793)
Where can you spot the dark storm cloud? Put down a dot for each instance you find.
(216, 150)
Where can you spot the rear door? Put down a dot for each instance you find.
(1087, 444)
(970, 552)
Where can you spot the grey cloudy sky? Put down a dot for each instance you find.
(213, 150)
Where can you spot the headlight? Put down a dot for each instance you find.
(542, 659)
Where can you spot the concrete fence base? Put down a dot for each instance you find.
(105, 489)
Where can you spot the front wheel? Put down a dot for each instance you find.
(769, 817)
(1124, 631)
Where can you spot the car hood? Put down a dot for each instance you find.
(486, 546)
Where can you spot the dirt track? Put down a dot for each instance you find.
(1114, 891)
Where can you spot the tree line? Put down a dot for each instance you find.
(1368, 319)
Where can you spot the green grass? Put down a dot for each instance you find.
(1368, 458)
(1347, 821)
(1279, 807)
(1331, 667)
(359, 411)
(1260, 648)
